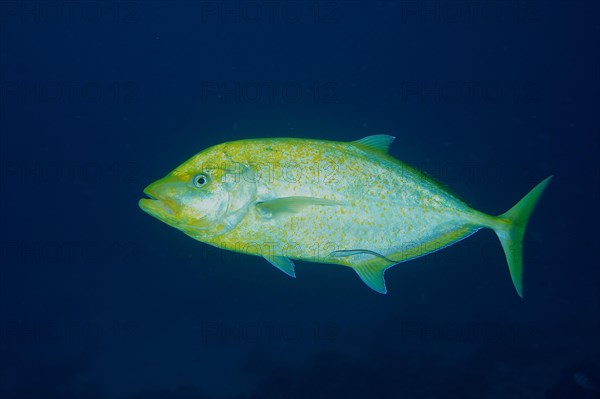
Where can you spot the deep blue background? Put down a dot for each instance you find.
(99, 300)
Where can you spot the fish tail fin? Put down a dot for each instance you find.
(510, 229)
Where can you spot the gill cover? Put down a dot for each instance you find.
(229, 193)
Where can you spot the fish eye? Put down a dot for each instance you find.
(200, 180)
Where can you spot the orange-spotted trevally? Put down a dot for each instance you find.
(346, 203)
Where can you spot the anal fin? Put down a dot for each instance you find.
(372, 276)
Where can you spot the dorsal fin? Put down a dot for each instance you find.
(377, 142)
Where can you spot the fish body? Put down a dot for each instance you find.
(346, 203)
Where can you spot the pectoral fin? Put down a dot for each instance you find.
(282, 263)
(283, 205)
(351, 252)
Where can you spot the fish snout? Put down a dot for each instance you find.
(162, 198)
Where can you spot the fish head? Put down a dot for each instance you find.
(204, 197)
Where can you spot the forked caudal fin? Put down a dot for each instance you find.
(510, 229)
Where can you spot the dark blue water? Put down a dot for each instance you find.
(100, 300)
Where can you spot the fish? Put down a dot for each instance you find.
(328, 202)
(579, 381)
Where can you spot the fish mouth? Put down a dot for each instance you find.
(160, 208)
